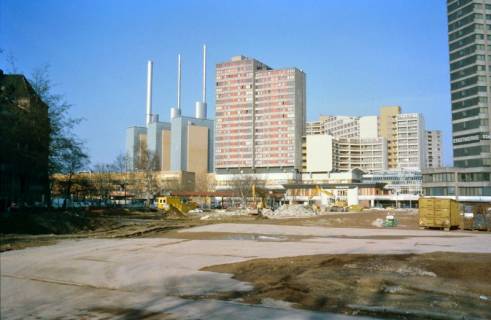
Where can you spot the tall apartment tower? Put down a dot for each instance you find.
(434, 158)
(410, 141)
(387, 122)
(260, 117)
(469, 38)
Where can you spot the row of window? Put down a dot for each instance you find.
(471, 163)
(469, 113)
(460, 13)
(469, 103)
(468, 125)
(468, 71)
(463, 191)
(470, 151)
(457, 4)
(468, 92)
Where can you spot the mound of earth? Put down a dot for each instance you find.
(405, 286)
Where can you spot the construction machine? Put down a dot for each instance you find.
(182, 205)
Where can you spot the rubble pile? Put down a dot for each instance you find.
(290, 211)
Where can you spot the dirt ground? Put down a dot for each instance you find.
(365, 219)
(427, 286)
(22, 230)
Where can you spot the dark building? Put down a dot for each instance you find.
(469, 38)
(24, 143)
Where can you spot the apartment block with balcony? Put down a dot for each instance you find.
(328, 154)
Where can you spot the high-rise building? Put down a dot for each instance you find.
(363, 142)
(260, 117)
(434, 149)
(469, 36)
(387, 122)
(410, 141)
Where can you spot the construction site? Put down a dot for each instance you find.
(212, 256)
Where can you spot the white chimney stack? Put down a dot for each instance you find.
(200, 111)
(149, 92)
(204, 73)
(179, 82)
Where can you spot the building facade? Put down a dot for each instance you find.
(136, 145)
(327, 154)
(387, 123)
(434, 145)
(469, 35)
(260, 117)
(158, 143)
(410, 141)
(192, 144)
(470, 75)
(344, 126)
(24, 143)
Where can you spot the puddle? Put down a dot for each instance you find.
(282, 238)
(234, 236)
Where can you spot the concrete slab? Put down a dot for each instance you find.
(136, 278)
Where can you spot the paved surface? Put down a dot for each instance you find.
(138, 278)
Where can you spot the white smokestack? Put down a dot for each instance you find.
(179, 82)
(204, 73)
(200, 111)
(149, 92)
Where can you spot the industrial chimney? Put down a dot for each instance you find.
(148, 117)
(201, 105)
(176, 112)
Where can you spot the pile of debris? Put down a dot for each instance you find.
(290, 211)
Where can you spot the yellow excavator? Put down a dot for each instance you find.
(167, 203)
(338, 204)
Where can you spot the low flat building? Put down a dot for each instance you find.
(463, 184)
(328, 194)
(404, 187)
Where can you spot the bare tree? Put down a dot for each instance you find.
(244, 185)
(66, 154)
(70, 160)
(103, 181)
(121, 166)
(147, 165)
(202, 182)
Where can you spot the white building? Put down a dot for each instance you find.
(344, 126)
(328, 154)
(410, 135)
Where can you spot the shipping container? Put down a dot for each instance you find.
(439, 213)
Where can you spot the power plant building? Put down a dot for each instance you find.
(184, 143)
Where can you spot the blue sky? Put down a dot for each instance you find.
(358, 55)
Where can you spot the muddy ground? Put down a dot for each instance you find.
(26, 229)
(407, 286)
